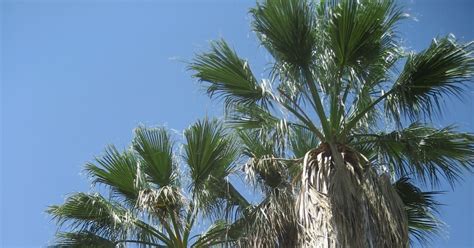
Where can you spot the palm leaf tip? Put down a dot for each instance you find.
(229, 76)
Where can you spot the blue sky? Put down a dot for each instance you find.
(78, 75)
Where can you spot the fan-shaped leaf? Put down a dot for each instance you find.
(156, 150)
(441, 69)
(118, 171)
(424, 152)
(229, 76)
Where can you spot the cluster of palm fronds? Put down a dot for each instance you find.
(329, 141)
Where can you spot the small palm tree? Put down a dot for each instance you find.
(335, 141)
(147, 204)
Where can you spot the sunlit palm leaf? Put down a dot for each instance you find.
(424, 152)
(118, 171)
(251, 117)
(285, 28)
(262, 122)
(210, 153)
(97, 215)
(156, 148)
(81, 239)
(421, 210)
(441, 69)
(361, 33)
(229, 76)
(93, 213)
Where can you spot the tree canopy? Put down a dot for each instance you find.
(341, 87)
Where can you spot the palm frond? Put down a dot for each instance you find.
(272, 223)
(81, 239)
(421, 209)
(210, 152)
(423, 152)
(302, 140)
(285, 28)
(118, 171)
(251, 117)
(84, 239)
(441, 69)
(361, 33)
(155, 147)
(229, 76)
(265, 166)
(93, 213)
(262, 122)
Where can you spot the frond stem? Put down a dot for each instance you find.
(354, 120)
(317, 100)
(301, 116)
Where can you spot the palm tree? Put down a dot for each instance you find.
(335, 141)
(342, 124)
(147, 205)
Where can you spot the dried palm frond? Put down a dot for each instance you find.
(349, 206)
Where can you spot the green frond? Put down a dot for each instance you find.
(421, 209)
(362, 101)
(302, 140)
(424, 152)
(118, 171)
(82, 239)
(261, 121)
(229, 76)
(263, 166)
(155, 147)
(286, 29)
(210, 152)
(256, 145)
(361, 33)
(93, 213)
(440, 70)
(251, 117)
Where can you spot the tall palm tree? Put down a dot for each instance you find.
(342, 123)
(335, 140)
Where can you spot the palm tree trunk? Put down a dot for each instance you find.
(348, 205)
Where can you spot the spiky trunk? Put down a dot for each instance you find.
(348, 204)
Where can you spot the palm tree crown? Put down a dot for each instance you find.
(335, 139)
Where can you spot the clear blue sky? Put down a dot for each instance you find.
(78, 75)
